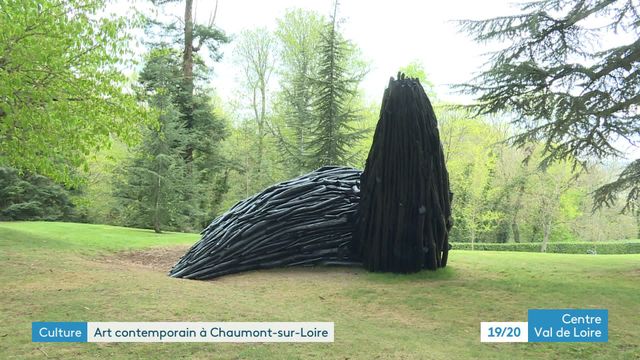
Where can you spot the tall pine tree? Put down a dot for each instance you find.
(154, 183)
(193, 37)
(160, 187)
(195, 48)
(333, 105)
(154, 189)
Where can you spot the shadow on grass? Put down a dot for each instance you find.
(447, 273)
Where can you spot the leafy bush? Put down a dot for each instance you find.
(609, 247)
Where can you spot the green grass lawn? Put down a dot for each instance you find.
(63, 272)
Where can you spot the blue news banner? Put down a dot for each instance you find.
(182, 332)
(551, 325)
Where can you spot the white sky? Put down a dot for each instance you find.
(390, 34)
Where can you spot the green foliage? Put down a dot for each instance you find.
(254, 154)
(209, 168)
(576, 98)
(336, 87)
(628, 181)
(471, 155)
(94, 198)
(416, 70)
(499, 198)
(161, 74)
(369, 116)
(298, 33)
(602, 248)
(157, 181)
(168, 30)
(61, 84)
(32, 197)
(65, 103)
(159, 187)
(192, 38)
(571, 202)
(161, 79)
(276, 134)
(244, 179)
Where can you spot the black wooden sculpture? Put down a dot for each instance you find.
(405, 206)
(304, 221)
(400, 224)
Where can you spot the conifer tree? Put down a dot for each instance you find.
(580, 99)
(153, 184)
(333, 105)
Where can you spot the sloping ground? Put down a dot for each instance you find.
(54, 275)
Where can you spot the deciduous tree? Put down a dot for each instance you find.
(62, 89)
(298, 34)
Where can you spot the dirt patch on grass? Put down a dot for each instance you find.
(157, 258)
(162, 259)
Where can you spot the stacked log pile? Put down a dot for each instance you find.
(304, 221)
(405, 207)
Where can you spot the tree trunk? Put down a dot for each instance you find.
(187, 59)
(514, 220)
(638, 223)
(263, 115)
(473, 239)
(187, 73)
(521, 188)
(515, 228)
(547, 233)
(156, 226)
(156, 210)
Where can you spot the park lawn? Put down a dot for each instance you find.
(63, 272)
(86, 238)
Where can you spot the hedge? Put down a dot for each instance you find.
(610, 247)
